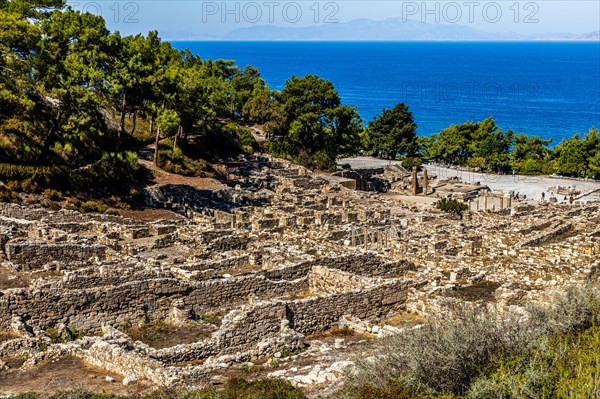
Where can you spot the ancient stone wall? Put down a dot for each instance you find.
(553, 231)
(27, 255)
(323, 280)
(243, 329)
(318, 314)
(114, 352)
(88, 307)
(236, 290)
(108, 275)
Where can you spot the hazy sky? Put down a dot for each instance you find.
(185, 19)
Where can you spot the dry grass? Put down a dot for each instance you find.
(160, 335)
(405, 319)
(344, 331)
(64, 374)
(447, 355)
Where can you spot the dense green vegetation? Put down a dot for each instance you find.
(393, 133)
(483, 145)
(77, 100)
(318, 128)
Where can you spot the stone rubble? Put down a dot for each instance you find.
(282, 255)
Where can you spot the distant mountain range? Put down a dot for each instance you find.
(386, 30)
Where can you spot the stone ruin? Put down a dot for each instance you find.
(263, 268)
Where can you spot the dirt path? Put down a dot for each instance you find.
(161, 177)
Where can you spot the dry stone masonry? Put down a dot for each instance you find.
(268, 266)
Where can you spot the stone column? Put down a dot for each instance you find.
(415, 182)
(425, 184)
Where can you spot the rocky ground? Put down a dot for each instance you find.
(276, 272)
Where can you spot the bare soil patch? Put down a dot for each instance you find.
(149, 214)
(7, 336)
(65, 374)
(10, 279)
(162, 335)
(161, 177)
(405, 319)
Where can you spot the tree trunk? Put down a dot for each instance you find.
(122, 125)
(156, 140)
(151, 125)
(134, 123)
(179, 129)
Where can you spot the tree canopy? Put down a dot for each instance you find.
(579, 157)
(318, 128)
(392, 133)
(75, 96)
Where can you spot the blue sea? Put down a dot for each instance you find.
(550, 89)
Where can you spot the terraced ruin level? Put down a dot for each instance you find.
(283, 271)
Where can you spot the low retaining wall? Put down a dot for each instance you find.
(27, 255)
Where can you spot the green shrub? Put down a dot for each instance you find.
(67, 335)
(268, 388)
(30, 185)
(451, 206)
(91, 206)
(54, 206)
(477, 163)
(565, 366)
(13, 185)
(112, 173)
(247, 142)
(8, 195)
(176, 161)
(409, 162)
(53, 335)
(34, 177)
(52, 194)
(481, 354)
(324, 161)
